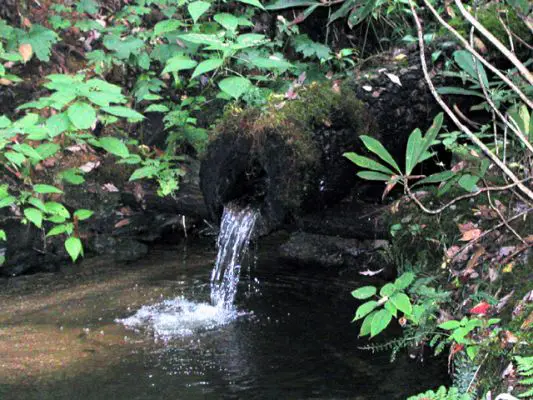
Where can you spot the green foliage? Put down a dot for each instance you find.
(525, 372)
(442, 393)
(378, 313)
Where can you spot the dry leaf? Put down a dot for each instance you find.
(368, 272)
(89, 166)
(394, 78)
(367, 88)
(109, 187)
(466, 226)
(5, 82)
(527, 322)
(472, 234)
(122, 222)
(503, 301)
(26, 51)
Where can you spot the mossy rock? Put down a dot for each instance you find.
(287, 155)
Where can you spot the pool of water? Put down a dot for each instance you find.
(289, 336)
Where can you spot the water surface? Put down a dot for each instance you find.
(290, 336)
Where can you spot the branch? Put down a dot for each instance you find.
(454, 118)
(473, 51)
(499, 45)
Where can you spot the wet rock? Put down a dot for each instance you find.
(331, 251)
(121, 249)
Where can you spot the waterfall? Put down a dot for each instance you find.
(181, 317)
(233, 240)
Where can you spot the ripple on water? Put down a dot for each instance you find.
(179, 317)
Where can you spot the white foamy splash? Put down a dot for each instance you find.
(178, 318)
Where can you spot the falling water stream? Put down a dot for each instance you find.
(183, 317)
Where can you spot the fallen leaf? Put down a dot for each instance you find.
(466, 226)
(470, 235)
(369, 272)
(367, 88)
(109, 187)
(89, 166)
(26, 51)
(508, 268)
(480, 309)
(5, 82)
(505, 251)
(394, 78)
(122, 222)
(474, 259)
(527, 322)
(508, 371)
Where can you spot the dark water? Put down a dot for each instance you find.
(295, 341)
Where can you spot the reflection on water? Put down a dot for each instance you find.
(293, 341)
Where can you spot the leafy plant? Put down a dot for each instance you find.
(378, 313)
(525, 371)
(442, 393)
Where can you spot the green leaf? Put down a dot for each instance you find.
(82, 115)
(41, 40)
(56, 209)
(467, 63)
(387, 290)
(377, 148)
(37, 203)
(228, 21)
(47, 150)
(458, 90)
(7, 201)
(73, 176)
(197, 9)
(367, 163)
(380, 321)
(390, 307)
(436, 178)
(15, 158)
(114, 146)
(166, 26)
(179, 63)
(144, 172)
(83, 214)
(3, 236)
(450, 325)
(157, 108)
(365, 309)
(431, 135)
(367, 323)
(283, 4)
(303, 44)
(414, 147)
(57, 124)
(255, 3)
(469, 182)
(74, 247)
(124, 112)
(34, 215)
(403, 281)
(373, 176)
(364, 292)
(235, 86)
(45, 189)
(402, 303)
(206, 66)
(59, 229)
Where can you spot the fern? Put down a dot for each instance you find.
(525, 371)
(441, 394)
(464, 374)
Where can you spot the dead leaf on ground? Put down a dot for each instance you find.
(89, 166)
(26, 51)
(109, 187)
(122, 222)
(369, 272)
(470, 235)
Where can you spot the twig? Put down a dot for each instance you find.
(459, 198)
(454, 118)
(473, 51)
(499, 45)
(475, 374)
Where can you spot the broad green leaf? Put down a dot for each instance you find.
(59, 229)
(37, 203)
(469, 182)
(436, 178)
(367, 323)
(402, 303)
(57, 124)
(15, 158)
(387, 290)
(197, 9)
(179, 63)
(4, 122)
(34, 215)
(114, 146)
(365, 309)
(380, 321)
(206, 66)
(403, 281)
(201, 38)
(458, 90)
(472, 351)
(167, 26)
(143, 172)
(157, 108)
(235, 86)
(47, 150)
(283, 4)
(364, 292)
(28, 151)
(74, 247)
(83, 214)
(73, 176)
(124, 112)
(523, 120)
(373, 176)
(255, 3)
(367, 163)
(45, 189)
(431, 135)
(228, 21)
(467, 63)
(7, 201)
(3, 237)
(82, 115)
(377, 148)
(450, 325)
(390, 307)
(414, 148)
(55, 208)
(271, 63)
